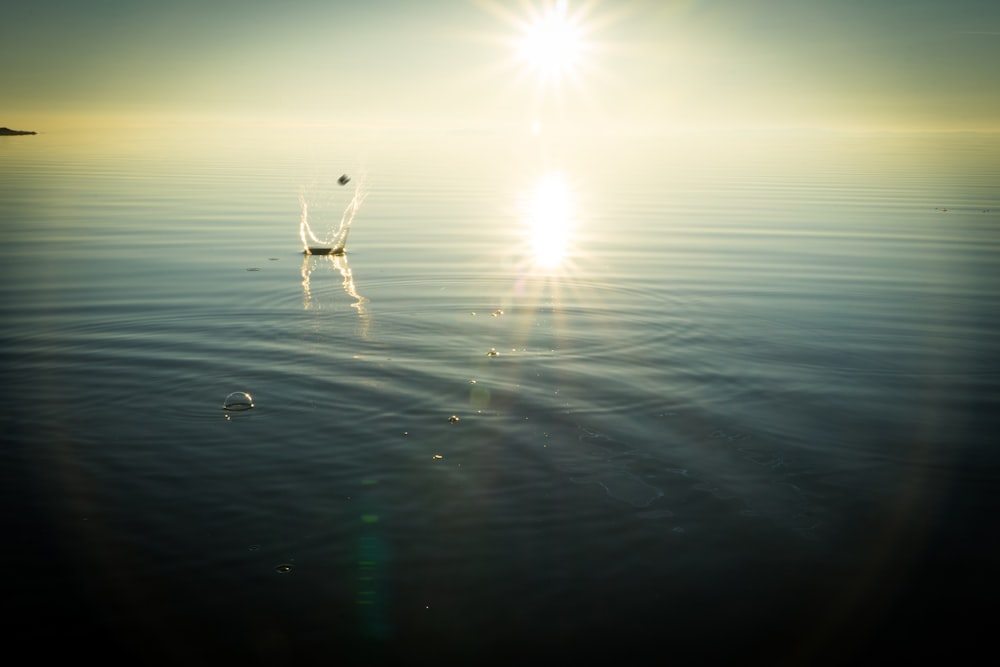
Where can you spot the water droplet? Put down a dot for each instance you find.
(237, 402)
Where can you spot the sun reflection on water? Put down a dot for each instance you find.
(549, 221)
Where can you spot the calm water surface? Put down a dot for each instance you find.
(722, 397)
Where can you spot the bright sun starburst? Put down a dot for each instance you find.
(553, 53)
(552, 42)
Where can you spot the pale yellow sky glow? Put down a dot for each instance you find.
(594, 65)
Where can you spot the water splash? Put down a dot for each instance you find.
(334, 238)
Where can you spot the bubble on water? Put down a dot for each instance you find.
(237, 402)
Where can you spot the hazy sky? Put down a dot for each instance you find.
(626, 64)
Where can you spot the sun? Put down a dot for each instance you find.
(552, 58)
(552, 42)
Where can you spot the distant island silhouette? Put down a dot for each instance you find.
(7, 132)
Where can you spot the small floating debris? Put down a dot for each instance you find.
(344, 179)
(238, 401)
(284, 568)
(497, 313)
(437, 456)
(493, 352)
(453, 419)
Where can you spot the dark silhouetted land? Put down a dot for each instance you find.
(7, 132)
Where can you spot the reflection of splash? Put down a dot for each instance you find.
(339, 264)
(335, 238)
